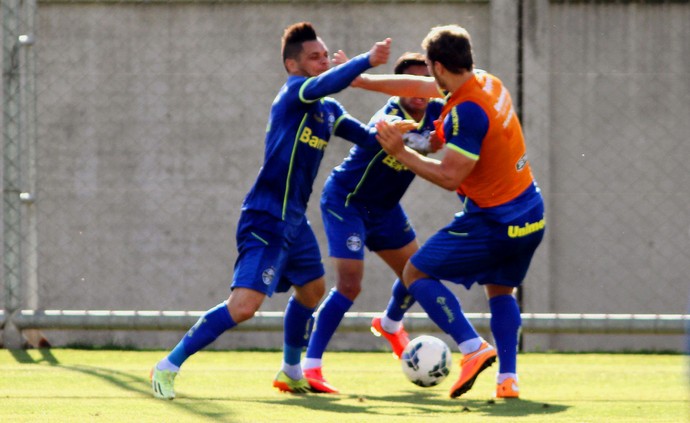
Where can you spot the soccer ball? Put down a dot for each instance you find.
(426, 361)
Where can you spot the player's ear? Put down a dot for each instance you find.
(438, 68)
(291, 66)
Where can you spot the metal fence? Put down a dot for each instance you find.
(132, 131)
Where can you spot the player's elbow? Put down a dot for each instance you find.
(449, 181)
(448, 184)
(451, 175)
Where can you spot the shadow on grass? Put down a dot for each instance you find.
(23, 357)
(421, 403)
(500, 407)
(408, 403)
(126, 382)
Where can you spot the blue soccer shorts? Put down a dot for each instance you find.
(474, 248)
(350, 228)
(274, 255)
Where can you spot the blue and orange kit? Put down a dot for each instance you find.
(502, 171)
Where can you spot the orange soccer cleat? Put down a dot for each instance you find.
(318, 383)
(471, 365)
(398, 340)
(508, 389)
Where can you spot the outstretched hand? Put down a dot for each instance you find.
(435, 142)
(339, 57)
(404, 125)
(390, 137)
(380, 52)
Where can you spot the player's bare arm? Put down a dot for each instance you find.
(447, 173)
(400, 85)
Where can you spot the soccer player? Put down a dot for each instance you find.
(277, 247)
(492, 241)
(360, 206)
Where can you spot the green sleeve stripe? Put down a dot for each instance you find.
(301, 92)
(463, 152)
(259, 238)
(364, 176)
(337, 216)
(337, 122)
(292, 160)
(458, 233)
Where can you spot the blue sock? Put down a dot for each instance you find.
(206, 330)
(331, 313)
(505, 325)
(297, 328)
(443, 308)
(400, 301)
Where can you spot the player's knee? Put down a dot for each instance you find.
(492, 290)
(350, 290)
(310, 294)
(349, 284)
(243, 307)
(242, 312)
(317, 292)
(411, 274)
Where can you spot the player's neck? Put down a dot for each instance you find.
(417, 115)
(455, 81)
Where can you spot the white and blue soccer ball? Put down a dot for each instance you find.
(426, 361)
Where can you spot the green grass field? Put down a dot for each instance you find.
(64, 385)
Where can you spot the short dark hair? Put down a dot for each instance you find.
(451, 46)
(293, 37)
(408, 59)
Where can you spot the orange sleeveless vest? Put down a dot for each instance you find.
(502, 171)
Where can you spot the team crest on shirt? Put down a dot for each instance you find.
(354, 242)
(267, 275)
(331, 122)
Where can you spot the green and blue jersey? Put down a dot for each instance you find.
(301, 123)
(372, 177)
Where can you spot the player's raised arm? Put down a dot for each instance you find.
(341, 76)
(400, 85)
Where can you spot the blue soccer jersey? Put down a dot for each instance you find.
(371, 176)
(301, 122)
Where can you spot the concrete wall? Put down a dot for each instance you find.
(150, 131)
(607, 94)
